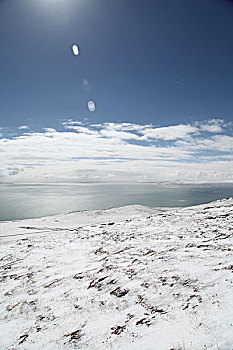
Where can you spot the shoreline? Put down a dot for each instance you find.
(156, 208)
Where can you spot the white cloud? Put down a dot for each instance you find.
(222, 143)
(81, 129)
(14, 171)
(213, 125)
(72, 122)
(49, 130)
(119, 134)
(22, 127)
(124, 126)
(170, 132)
(118, 152)
(212, 128)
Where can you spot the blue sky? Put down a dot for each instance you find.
(163, 67)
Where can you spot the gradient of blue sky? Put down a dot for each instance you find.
(157, 63)
(160, 61)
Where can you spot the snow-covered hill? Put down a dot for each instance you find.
(123, 278)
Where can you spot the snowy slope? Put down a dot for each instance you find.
(134, 278)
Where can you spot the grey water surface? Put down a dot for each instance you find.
(22, 201)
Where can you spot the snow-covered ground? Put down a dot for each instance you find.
(123, 278)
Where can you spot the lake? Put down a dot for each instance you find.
(23, 201)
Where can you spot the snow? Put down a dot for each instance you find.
(121, 278)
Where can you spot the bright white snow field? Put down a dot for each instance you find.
(123, 278)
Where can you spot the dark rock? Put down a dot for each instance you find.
(118, 292)
(118, 329)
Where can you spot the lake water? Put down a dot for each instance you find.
(22, 201)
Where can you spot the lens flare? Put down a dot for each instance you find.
(75, 50)
(91, 106)
(86, 86)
